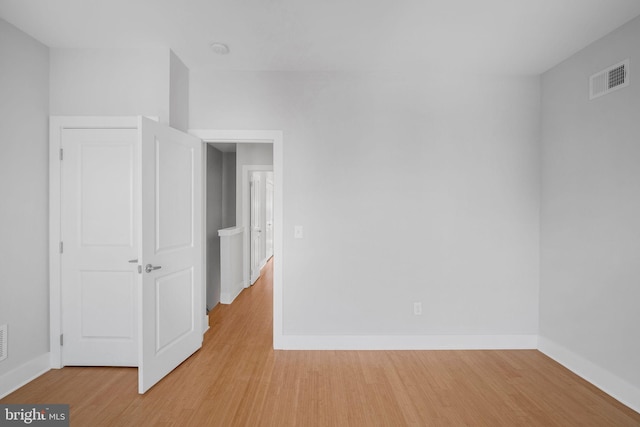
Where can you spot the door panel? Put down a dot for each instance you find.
(98, 284)
(107, 304)
(171, 294)
(174, 195)
(174, 310)
(106, 198)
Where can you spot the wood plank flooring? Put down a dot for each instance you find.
(237, 379)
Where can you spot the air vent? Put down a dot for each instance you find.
(608, 80)
(3, 342)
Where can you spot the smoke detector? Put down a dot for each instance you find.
(219, 48)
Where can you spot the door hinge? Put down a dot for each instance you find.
(139, 268)
(61, 339)
(61, 247)
(61, 154)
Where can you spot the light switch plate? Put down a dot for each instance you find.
(297, 232)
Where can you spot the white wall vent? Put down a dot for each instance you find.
(3, 342)
(610, 79)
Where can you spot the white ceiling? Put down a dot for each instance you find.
(510, 36)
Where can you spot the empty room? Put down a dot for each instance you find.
(449, 191)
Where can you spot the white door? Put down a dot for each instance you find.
(269, 216)
(171, 294)
(256, 224)
(99, 209)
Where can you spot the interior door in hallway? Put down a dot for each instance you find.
(269, 215)
(256, 224)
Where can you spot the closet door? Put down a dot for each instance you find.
(99, 233)
(171, 294)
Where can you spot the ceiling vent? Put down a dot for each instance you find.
(610, 79)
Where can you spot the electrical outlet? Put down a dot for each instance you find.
(417, 308)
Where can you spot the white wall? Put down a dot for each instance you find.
(590, 216)
(228, 190)
(111, 82)
(24, 165)
(410, 188)
(178, 93)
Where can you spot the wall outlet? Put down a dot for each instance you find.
(297, 232)
(417, 308)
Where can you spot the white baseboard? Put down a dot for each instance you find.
(228, 297)
(253, 280)
(614, 386)
(16, 378)
(205, 323)
(406, 342)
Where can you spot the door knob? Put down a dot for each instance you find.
(149, 268)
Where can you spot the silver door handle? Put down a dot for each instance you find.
(133, 261)
(149, 268)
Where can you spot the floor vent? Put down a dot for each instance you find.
(610, 79)
(3, 342)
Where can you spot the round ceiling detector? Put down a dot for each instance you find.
(219, 48)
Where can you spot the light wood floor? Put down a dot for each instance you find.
(238, 379)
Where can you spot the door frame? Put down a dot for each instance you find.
(274, 137)
(56, 126)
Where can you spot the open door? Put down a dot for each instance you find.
(171, 294)
(256, 224)
(268, 213)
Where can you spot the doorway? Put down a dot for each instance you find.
(236, 202)
(276, 139)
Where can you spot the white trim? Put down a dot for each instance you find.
(229, 297)
(263, 263)
(56, 125)
(16, 378)
(274, 137)
(230, 231)
(614, 386)
(205, 322)
(408, 342)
